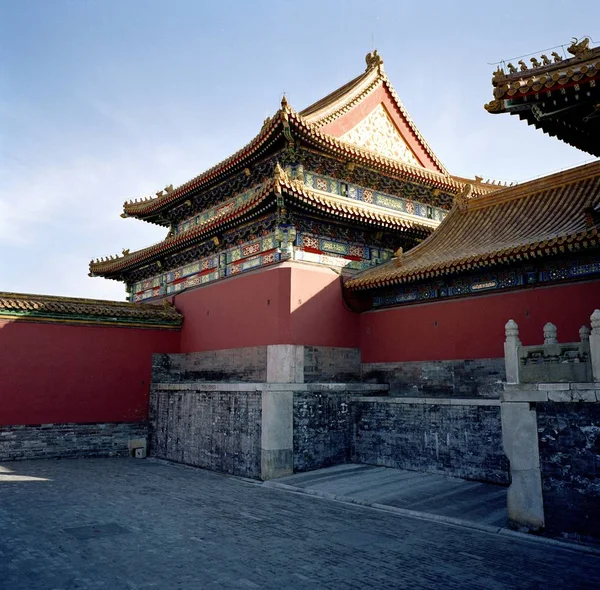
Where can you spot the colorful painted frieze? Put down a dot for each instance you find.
(468, 285)
(340, 188)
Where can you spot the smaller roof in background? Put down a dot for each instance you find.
(69, 310)
(559, 96)
(544, 217)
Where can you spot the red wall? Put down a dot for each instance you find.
(52, 373)
(319, 316)
(286, 304)
(474, 327)
(247, 310)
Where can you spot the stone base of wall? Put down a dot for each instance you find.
(459, 438)
(569, 446)
(234, 364)
(51, 441)
(324, 427)
(458, 378)
(209, 427)
(256, 364)
(257, 430)
(326, 364)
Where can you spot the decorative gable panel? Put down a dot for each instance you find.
(377, 132)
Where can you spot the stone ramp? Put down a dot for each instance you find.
(481, 503)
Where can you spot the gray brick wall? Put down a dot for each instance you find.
(323, 364)
(235, 364)
(218, 430)
(569, 443)
(458, 378)
(457, 440)
(50, 441)
(323, 429)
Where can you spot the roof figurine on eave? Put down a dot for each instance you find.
(559, 95)
(353, 160)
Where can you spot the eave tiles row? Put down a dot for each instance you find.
(46, 308)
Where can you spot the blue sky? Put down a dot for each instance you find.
(102, 101)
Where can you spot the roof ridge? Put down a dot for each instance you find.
(61, 298)
(413, 125)
(268, 126)
(525, 189)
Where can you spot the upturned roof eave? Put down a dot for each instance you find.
(129, 261)
(271, 130)
(327, 144)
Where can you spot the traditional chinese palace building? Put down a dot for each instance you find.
(331, 293)
(344, 184)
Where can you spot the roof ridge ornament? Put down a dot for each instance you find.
(462, 198)
(279, 174)
(374, 60)
(579, 48)
(398, 254)
(285, 105)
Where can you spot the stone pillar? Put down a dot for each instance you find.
(550, 334)
(285, 363)
(520, 442)
(511, 359)
(595, 344)
(277, 436)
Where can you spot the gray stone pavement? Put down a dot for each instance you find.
(421, 492)
(126, 524)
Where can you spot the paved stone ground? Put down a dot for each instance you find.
(126, 524)
(423, 492)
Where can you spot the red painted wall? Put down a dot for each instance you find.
(286, 304)
(52, 373)
(319, 316)
(248, 310)
(473, 327)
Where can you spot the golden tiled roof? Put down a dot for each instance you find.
(47, 308)
(544, 217)
(305, 125)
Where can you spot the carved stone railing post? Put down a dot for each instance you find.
(511, 344)
(550, 334)
(584, 334)
(595, 344)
